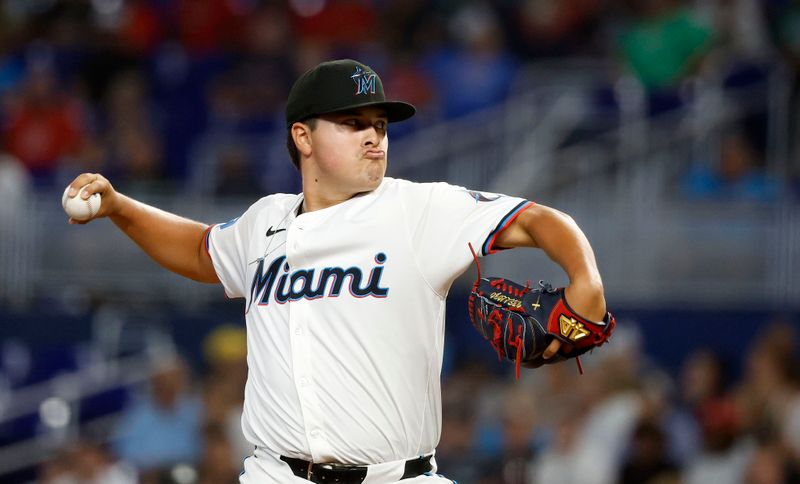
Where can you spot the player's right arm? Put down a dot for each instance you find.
(174, 242)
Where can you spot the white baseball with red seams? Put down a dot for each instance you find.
(79, 208)
(345, 310)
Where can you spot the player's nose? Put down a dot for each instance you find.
(372, 136)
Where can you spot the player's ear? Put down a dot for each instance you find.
(301, 134)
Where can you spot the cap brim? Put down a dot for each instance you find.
(395, 110)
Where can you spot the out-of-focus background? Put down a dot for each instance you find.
(668, 129)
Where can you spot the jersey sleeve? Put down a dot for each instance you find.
(227, 245)
(445, 219)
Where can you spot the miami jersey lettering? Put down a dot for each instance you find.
(345, 313)
(304, 283)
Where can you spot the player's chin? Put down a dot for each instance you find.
(373, 181)
(375, 171)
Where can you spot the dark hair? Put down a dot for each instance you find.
(293, 153)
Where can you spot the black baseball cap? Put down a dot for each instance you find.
(340, 85)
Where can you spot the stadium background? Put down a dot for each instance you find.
(667, 128)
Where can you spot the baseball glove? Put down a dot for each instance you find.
(520, 322)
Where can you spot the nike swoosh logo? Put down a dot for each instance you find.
(271, 232)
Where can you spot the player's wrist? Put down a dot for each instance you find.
(119, 206)
(587, 299)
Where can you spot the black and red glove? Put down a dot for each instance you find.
(520, 322)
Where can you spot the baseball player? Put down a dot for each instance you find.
(345, 286)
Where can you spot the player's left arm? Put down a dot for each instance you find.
(557, 234)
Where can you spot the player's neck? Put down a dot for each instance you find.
(319, 192)
(315, 198)
(314, 202)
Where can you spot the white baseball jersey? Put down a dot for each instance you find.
(345, 314)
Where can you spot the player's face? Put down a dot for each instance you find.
(350, 149)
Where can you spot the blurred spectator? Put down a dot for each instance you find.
(595, 418)
(227, 106)
(264, 70)
(771, 464)
(477, 72)
(140, 27)
(12, 66)
(346, 25)
(130, 147)
(663, 43)
(725, 451)
(784, 23)
(46, 125)
(405, 80)
(782, 339)
(137, 154)
(93, 158)
(309, 52)
(244, 101)
(127, 102)
(730, 422)
(456, 450)
(179, 84)
(411, 26)
(60, 32)
(554, 388)
(226, 354)
(648, 462)
(703, 378)
(85, 462)
(236, 172)
(207, 27)
(768, 393)
(218, 464)
(613, 408)
(162, 427)
(741, 29)
(738, 175)
(559, 462)
(519, 418)
(554, 28)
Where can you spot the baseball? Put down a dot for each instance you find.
(78, 208)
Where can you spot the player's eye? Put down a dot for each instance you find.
(381, 125)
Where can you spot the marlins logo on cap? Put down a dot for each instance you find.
(365, 81)
(328, 88)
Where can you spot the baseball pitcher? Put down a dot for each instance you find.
(345, 285)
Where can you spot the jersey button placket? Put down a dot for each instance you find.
(309, 400)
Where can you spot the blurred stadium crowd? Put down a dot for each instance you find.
(626, 420)
(140, 89)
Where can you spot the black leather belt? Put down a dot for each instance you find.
(349, 474)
